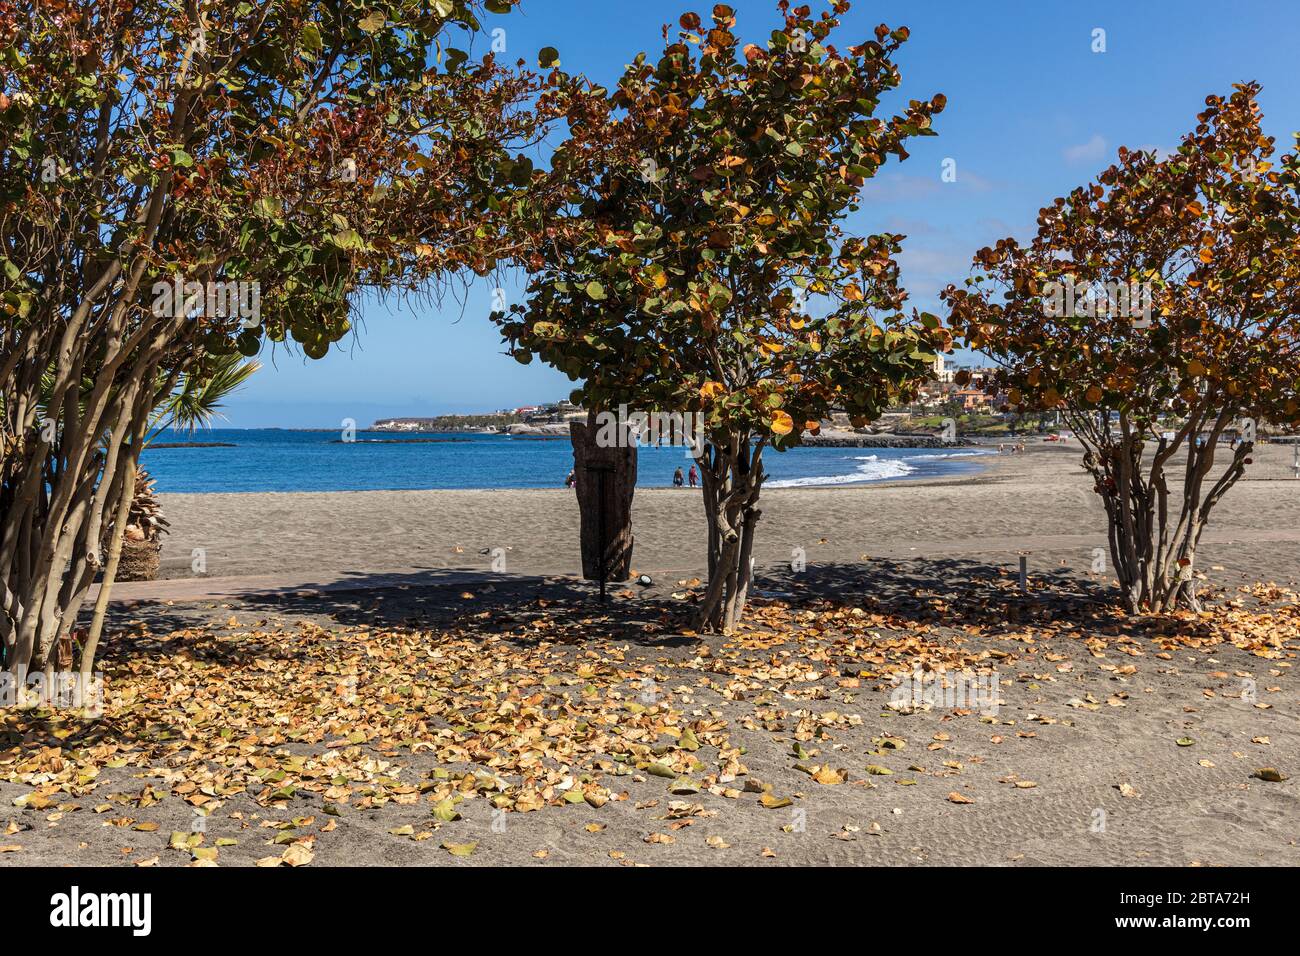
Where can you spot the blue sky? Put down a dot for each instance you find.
(1032, 112)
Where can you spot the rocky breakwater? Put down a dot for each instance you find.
(830, 438)
(549, 430)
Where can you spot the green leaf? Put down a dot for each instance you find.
(311, 38)
(347, 239)
(267, 208)
(445, 810)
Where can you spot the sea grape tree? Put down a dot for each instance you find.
(1204, 245)
(715, 273)
(290, 153)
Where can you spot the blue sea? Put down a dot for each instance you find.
(288, 460)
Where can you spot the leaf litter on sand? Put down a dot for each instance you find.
(539, 707)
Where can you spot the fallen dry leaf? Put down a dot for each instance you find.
(297, 854)
(1270, 774)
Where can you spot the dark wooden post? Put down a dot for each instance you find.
(605, 479)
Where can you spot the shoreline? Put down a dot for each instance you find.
(975, 452)
(1040, 502)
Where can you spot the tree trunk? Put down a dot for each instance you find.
(732, 477)
(110, 571)
(1154, 555)
(744, 570)
(604, 472)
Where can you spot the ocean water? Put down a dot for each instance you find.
(287, 460)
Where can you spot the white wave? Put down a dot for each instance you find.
(951, 454)
(870, 469)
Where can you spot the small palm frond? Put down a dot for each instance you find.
(195, 402)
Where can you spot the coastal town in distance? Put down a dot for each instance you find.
(973, 407)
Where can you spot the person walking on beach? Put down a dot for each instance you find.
(693, 477)
(571, 480)
(677, 478)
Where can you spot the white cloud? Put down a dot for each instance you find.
(911, 227)
(926, 270)
(1162, 152)
(900, 187)
(1090, 151)
(908, 187)
(974, 181)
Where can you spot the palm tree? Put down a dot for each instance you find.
(192, 405)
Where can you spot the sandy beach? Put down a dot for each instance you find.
(473, 694)
(1040, 502)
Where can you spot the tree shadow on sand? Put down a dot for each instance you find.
(953, 592)
(510, 605)
(961, 592)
